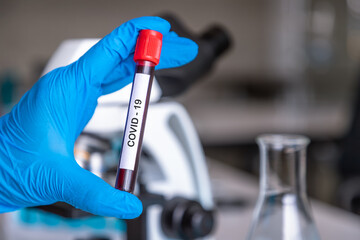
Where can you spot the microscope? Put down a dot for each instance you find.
(173, 182)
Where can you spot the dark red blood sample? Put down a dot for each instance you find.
(126, 178)
(146, 56)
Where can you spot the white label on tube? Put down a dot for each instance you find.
(134, 121)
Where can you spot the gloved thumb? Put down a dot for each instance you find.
(86, 191)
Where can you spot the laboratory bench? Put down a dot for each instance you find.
(237, 192)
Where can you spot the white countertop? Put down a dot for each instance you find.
(233, 222)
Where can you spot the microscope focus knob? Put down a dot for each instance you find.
(186, 219)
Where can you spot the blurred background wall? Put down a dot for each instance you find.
(31, 31)
(292, 68)
(275, 43)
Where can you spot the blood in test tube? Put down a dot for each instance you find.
(147, 56)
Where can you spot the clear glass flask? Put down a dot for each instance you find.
(283, 210)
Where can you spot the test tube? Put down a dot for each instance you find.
(147, 56)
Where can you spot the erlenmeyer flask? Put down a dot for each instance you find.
(283, 211)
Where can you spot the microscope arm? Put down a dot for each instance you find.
(172, 139)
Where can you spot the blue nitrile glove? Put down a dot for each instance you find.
(37, 137)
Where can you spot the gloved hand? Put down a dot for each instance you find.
(37, 137)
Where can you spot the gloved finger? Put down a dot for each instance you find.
(176, 51)
(173, 34)
(84, 190)
(120, 76)
(103, 57)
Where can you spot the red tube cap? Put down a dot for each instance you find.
(148, 46)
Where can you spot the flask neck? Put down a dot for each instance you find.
(283, 164)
